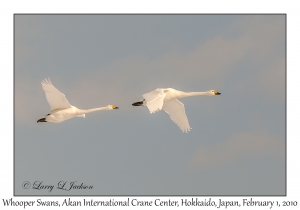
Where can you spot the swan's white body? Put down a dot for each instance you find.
(167, 99)
(61, 109)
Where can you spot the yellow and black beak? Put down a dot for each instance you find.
(217, 93)
(43, 119)
(114, 107)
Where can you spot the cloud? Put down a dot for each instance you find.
(30, 100)
(213, 60)
(207, 65)
(247, 145)
(26, 49)
(272, 80)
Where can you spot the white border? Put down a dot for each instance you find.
(8, 8)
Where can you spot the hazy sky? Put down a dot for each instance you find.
(236, 146)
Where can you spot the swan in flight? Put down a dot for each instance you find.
(61, 110)
(167, 99)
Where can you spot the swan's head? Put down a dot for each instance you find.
(113, 107)
(213, 92)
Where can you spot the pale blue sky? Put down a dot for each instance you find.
(236, 146)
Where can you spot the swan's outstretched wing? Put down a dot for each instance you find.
(56, 99)
(155, 100)
(177, 114)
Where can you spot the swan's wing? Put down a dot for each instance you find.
(155, 100)
(56, 99)
(177, 114)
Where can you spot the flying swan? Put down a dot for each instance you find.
(167, 99)
(61, 110)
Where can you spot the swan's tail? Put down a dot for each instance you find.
(82, 115)
(139, 103)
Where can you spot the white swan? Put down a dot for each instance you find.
(61, 110)
(166, 99)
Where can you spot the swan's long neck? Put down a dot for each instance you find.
(80, 111)
(187, 94)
